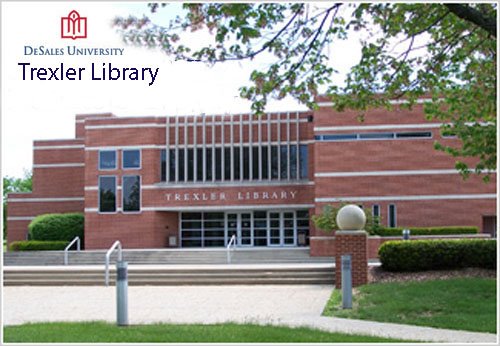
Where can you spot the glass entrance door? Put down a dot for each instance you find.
(282, 230)
(240, 224)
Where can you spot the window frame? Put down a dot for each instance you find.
(123, 195)
(99, 195)
(389, 217)
(140, 158)
(99, 160)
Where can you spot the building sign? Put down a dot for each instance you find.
(231, 196)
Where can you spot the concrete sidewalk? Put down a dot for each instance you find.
(292, 305)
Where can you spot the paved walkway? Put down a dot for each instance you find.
(293, 305)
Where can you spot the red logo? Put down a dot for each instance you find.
(73, 26)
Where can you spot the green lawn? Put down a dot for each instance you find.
(105, 332)
(464, 304)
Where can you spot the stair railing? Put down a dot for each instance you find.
(77, 240)
(113, 247)
(232, 243)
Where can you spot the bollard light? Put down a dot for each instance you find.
(121, 293)
(346, 282)
(406, 234)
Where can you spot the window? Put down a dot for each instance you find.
(236, 163)
(218, 164)
(376, 214)
(227, 164)
(199, 164)
(303, 164)
(414, 135)
(181, 165)
(376, 135)
(448, 133)
(131, 193)
(284, 161)
(107, 159)
(246, 163)
(372, 136)
(131, 159)
(255, 162)
(171, 166)
(107, 194)
(163, 159)
(266, 162)
(392, 215)
(208, 164)
(337, 137)
(274, 162)
(190, 163)
(293, 162)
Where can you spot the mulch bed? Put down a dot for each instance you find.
(377, 274)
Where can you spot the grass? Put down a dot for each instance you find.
(104, 332)
(463, 304)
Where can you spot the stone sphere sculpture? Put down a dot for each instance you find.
(351, 217)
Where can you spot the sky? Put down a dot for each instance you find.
(37, 109)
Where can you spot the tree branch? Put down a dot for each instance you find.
(264, 46)
(474, 16)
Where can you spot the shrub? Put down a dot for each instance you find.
(427, 230)
(326, 221)
(416, 255)
(36, 245)
(57, 227)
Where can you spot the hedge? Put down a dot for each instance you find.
(57, 227)
(36, 245)
(398, 231)
(416, 255)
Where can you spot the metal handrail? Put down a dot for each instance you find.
(77, 239)
(108, 255)
(233, 243)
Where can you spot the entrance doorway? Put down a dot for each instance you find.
(240, 224)
(258, 228)
(282, 231)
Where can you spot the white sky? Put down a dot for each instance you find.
(45, 109)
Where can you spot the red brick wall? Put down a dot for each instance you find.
(18, 230)
(49, 182)
(325, 246)
(322, 246)
(352, 243)
(142, 230)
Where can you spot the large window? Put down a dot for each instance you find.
(285, 162)
(107, 194)
(107, 159)
(131, 193)
(131, 159)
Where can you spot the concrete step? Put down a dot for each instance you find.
(166, 256)
(175, 282)
(164, 275)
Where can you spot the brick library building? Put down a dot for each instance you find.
(194, 181)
